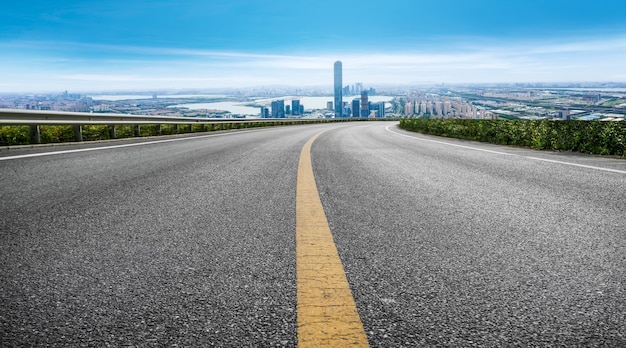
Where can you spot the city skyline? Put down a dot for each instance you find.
(138, 45)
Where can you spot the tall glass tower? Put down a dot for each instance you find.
(338, 90)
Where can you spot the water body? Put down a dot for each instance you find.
(238, 108)
(119, 97)
(116, 97)
(317, 103)
(243, 108)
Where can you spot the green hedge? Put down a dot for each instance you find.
(20, 135)
(605, 138)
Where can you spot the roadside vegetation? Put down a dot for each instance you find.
(604, 138)
(20, 135)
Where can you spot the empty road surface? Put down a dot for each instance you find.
(202, 241)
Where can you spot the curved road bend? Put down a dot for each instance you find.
(192, 242)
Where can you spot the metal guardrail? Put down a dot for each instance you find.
(36, 118)
(42, 117)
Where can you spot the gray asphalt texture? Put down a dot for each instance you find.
(447, 246)
(192, 242)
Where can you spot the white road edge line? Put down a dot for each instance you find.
(576, 165)
(449, 144)
(116, 146)
(510, 154)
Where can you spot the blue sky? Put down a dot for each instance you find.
(136, 45)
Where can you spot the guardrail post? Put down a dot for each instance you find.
(158, 129)
(137, 130)
(78, 132)
(112, 133)
(176, 128)
(35, 134)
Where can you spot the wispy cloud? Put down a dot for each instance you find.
(63, 65)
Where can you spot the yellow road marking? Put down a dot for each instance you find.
(327, 315)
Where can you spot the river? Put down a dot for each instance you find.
(244, 108)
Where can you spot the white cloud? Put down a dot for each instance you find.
(48, 66)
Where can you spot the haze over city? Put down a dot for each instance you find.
(135, 45)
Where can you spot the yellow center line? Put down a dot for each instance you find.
(327, 315)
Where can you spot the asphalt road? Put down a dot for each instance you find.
(191, 242)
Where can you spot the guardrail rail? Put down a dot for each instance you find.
(36, 118)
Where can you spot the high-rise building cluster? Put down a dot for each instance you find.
(360, 107)
(278, 109)
(435, 106)
(357, 89)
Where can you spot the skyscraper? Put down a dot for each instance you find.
(365, 106)
(278, 108)
(356, 110)
(295, 107)
(381, 109)
(338, 90)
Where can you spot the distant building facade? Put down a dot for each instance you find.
(356, 103)
(338, 89)
(295, 107)
(380, 109)
(365, 106)
(278, 109)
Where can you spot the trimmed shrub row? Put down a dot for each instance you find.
(605, 138)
